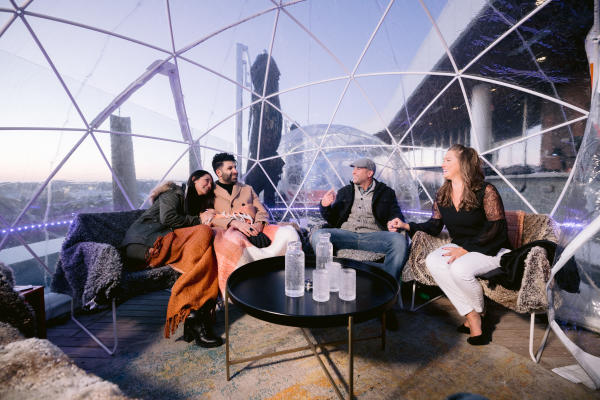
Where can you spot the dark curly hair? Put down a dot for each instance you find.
(193, 203)
(220, 158)
(472, 175)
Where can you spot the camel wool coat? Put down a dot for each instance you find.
(241, 195)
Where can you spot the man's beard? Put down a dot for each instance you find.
(228, 178)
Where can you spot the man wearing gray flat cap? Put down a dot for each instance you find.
(363, 216)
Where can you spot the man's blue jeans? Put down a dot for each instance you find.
(393, 244)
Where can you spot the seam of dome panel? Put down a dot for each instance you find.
(526, 90)
(287, 206)
(566, 186)
(440, 37)
(517, 192)
(431, 103)
(505, 34)
(53, 67)
(308, 84)
(540, 70)
(264, 88)
(139, 135)
(40, 128)
(96, 29)
(316, 39)
(187, 48)
(178, 97)
(197, 140)
(112, 172)
(547, 130)
(212, 71)
(8, 24)
(293, 120)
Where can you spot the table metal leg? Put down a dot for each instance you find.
(383, 331)
(227, 334)
(350, 361)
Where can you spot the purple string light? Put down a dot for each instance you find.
(32, 227)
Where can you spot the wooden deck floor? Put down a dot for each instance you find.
(145, 313)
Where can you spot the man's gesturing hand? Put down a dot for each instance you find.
(328, 198)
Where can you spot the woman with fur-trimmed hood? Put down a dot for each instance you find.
(171, 232)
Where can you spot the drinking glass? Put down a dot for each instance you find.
(333, 269)
(348, 284)
(320, 285)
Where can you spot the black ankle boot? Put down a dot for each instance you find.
(188, 326)
(203, 327)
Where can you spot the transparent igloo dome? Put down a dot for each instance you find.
(101, 100)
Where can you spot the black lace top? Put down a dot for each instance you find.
(482, 229)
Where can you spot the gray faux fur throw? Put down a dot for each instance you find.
(13, 309)
(90, 268)
(37, 369)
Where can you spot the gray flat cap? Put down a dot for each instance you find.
(364, 163)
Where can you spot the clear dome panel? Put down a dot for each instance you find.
(152, 111)
(21, 76)
(358, 110)
(314, 103)
(533, 56)
(404, 41)
(45, 151)
(520, 163)
(129, 18)
(98, 74)
(466, 40)
(577, 210)
(140, 164)
(214, 113)
(82, 184)
(455, 23)
(5, 17)
(202, 20)
(502, 113)
(440, 123)
(416, 95)
(218, 53)
(309, 62)
(329, 22)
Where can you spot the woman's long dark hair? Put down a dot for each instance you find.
(472, 175)
(193, 203)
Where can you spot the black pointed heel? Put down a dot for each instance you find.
(463, 329)
(478, 340)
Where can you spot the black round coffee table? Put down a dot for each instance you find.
(258, 288)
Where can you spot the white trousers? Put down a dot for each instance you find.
(457, 280)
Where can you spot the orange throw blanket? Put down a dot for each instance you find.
(189, 251)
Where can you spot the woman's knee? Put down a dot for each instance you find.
(434, 260)
(463, 269)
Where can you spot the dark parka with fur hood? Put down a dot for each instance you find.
(164, 215)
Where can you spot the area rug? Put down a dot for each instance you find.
(425, 359)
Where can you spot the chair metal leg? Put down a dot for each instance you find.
(412, 302)
(350, 360)
(536, 358)
(96, 339)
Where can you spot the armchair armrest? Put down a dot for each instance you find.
(90, 272)
(422, 244)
